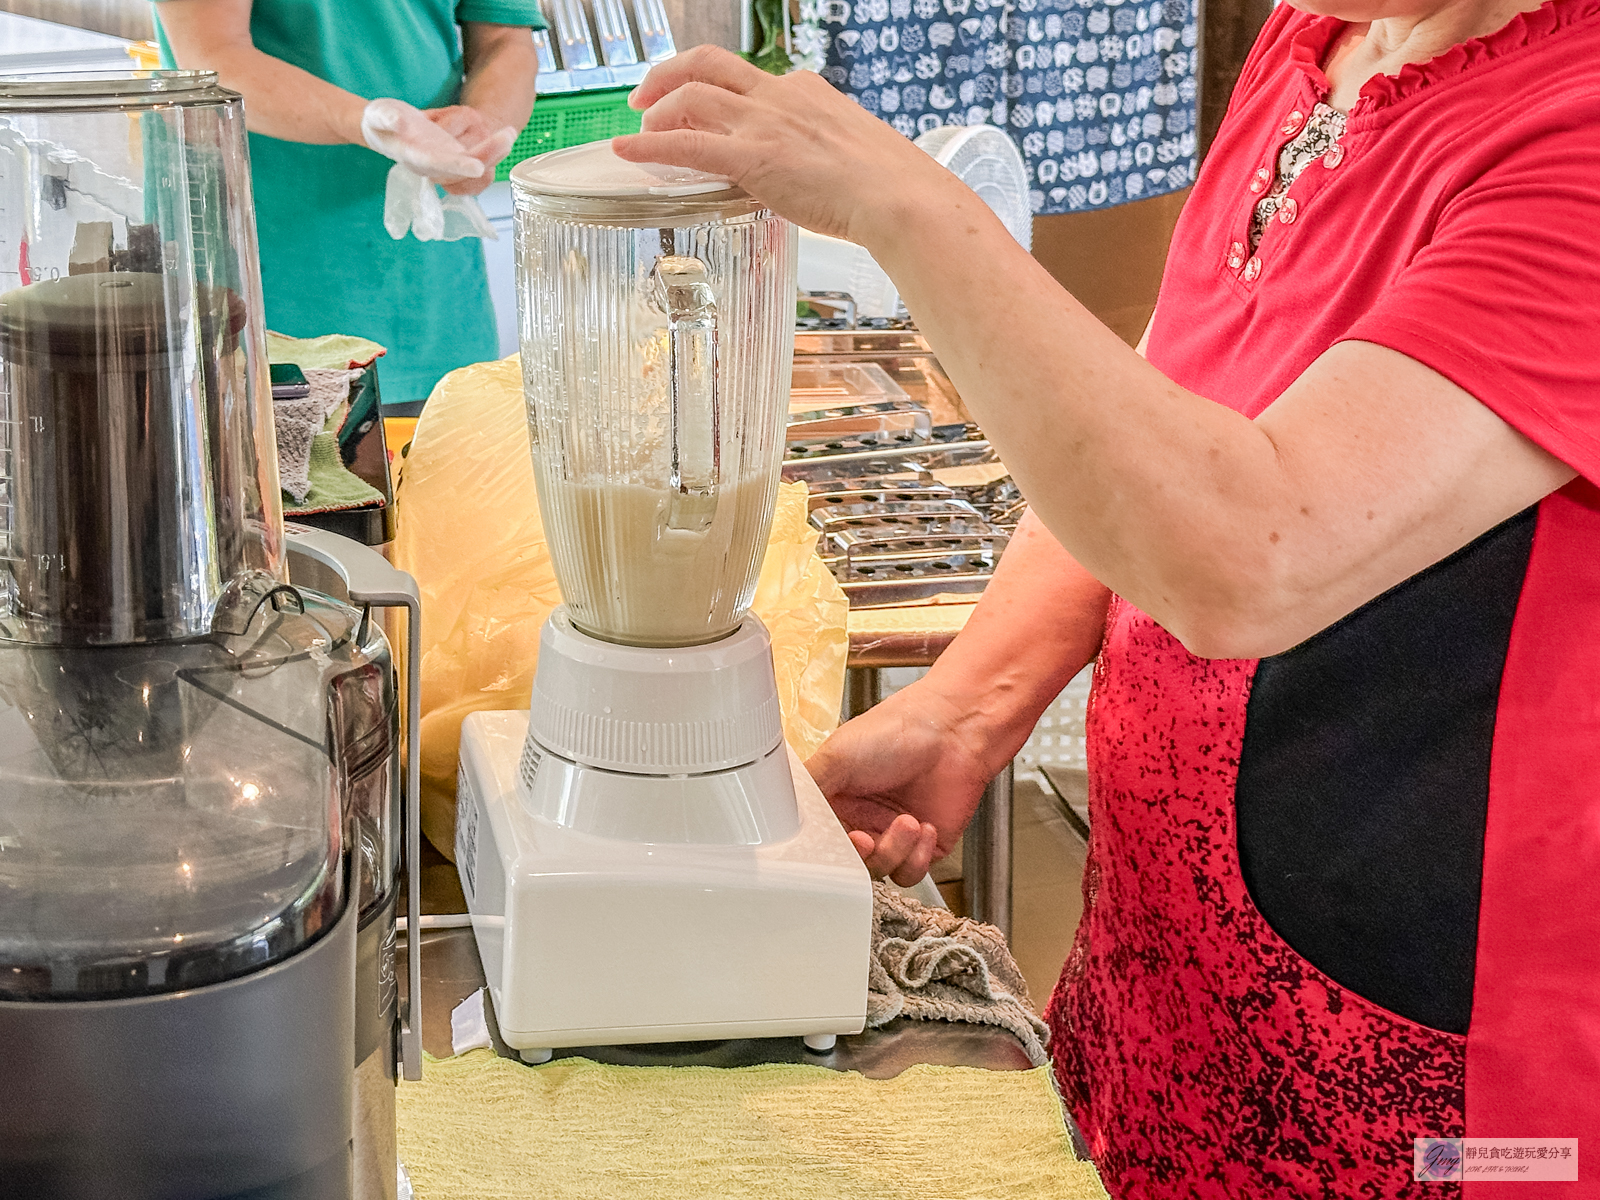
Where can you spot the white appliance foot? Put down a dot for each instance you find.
(821, 1043)
(535, 1057)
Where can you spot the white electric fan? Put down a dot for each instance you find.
(983, 157)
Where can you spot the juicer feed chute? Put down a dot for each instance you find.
(138, 491)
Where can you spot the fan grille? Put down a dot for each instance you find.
(988, 161)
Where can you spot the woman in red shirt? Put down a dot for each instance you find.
(1335, 538)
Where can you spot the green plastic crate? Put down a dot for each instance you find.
(570, 119)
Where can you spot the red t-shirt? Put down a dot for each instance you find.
(1350, 896)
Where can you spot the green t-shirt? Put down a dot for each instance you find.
(327, 264)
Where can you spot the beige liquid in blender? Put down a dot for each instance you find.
(627, 575)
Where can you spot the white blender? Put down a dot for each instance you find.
(643, 857)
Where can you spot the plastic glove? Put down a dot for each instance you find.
(412, 204)
(396, 130)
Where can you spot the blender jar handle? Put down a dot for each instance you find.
(695, 423)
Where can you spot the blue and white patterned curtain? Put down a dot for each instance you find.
(1099, 94)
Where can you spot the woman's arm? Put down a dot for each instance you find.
(906, 776)
(1241, 537)
(282, 101)
(501, 68)
(496, 95)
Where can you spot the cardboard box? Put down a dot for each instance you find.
(1112, 260)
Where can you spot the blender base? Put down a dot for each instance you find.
(593, 940)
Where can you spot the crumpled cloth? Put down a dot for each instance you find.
(332, 350)
(330, 386)
(931, 965)
(297, 424)
(333, 485)
(479, 1126)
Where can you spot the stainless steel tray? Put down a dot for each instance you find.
(890, 424)
(824, 383)
(908, 459)
(858, 343)
(873, 592)
(876, 569)
(826, 492)
(889, 514)
(876, 418)
(856, 544)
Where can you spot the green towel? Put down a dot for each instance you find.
(332, 485)
(478, 1127)
(334, 350)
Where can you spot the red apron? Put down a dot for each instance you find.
(1200, 1055)
(1204, 1057)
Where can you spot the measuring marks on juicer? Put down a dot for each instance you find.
(15, 560)
(10, 434)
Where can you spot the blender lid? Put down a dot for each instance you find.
(593, 169)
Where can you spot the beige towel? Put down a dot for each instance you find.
(298, 422)
(929, 964)
(330, 388)
(480, 1127)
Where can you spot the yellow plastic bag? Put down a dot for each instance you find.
(468, 529)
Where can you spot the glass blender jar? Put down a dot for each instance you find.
(657, 346)
(657, 339)
(644, 820)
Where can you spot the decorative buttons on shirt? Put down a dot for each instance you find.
(1236, 255)
(1288, 210)
(1291, 123)
(1252, 269)
(1260, 179)
(1334, 156)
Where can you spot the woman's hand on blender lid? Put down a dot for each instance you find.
(397, 130)
(793, 142)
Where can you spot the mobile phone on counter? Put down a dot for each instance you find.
(289, 382)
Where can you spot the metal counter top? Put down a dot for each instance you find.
(452, 971)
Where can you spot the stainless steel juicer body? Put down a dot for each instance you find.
(199, 763)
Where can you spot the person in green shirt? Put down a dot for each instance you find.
(453, 80)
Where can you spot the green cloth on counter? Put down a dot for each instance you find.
(331, 352)
(326, 261)
(332, 484)
(482, 1126)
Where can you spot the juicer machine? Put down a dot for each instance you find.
(644, 858)
(200, 821)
